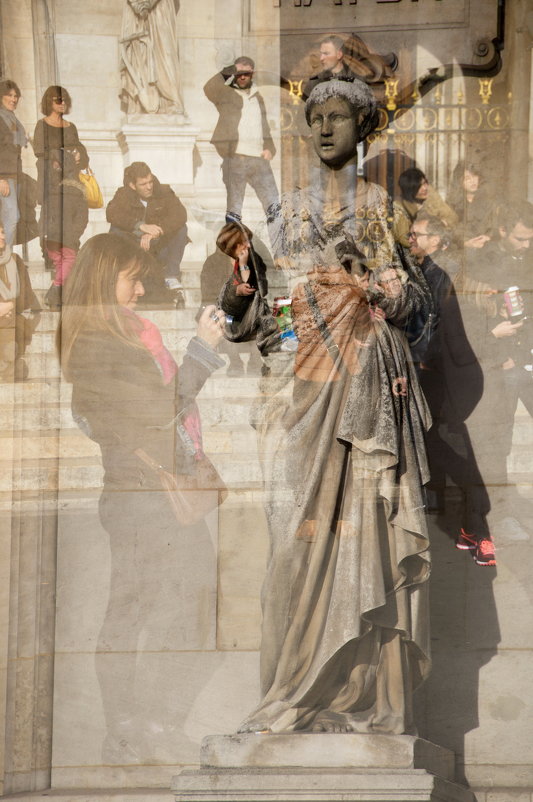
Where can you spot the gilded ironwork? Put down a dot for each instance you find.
(295, 90)
(404, 120)
(498, 118)
(485, 89)
(391, 92)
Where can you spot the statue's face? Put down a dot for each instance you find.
(334, 130)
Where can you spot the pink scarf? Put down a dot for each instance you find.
(150, 336)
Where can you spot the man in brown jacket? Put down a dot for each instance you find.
(152, 214)
(242, 137)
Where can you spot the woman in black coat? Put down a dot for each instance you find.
(129, 396)
(54, 133)
(66, 220)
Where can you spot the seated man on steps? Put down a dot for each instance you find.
(152, 214)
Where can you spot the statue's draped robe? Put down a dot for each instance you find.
(345, 600)
(149, 57)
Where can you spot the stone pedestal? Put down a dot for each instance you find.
(332, 767)
(165, 142)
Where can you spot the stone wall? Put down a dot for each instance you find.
(196, 662)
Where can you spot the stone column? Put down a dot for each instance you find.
(518, 47)
(46, 69)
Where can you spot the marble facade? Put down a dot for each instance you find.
(203, 677)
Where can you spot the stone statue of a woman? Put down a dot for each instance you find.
(149, 58)
(345, 601)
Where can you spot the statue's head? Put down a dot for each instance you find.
(340, 114)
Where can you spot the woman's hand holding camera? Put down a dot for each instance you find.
(211, 325)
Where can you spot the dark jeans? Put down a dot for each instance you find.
(237, 171)
(168, 249)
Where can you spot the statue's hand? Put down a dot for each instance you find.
(399, 386)
(143, 7)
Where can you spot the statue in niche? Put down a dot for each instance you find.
(341, 431)
(149, 66)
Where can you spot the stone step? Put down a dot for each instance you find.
(82, 473)
(43, 464)
(72, 461)
(39, 393)
(223, 440)
(41, 278)
(165, 319)
(43, 342)
(101, 795)
(190, 279)
(56, 455)
(214, 411)
(192, 298)
(42, 392)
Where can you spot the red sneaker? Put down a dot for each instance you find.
(466, 541)
(484, 553)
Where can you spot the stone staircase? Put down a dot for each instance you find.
(44, 453)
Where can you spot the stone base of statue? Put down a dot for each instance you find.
(323, 767)
(164, 141)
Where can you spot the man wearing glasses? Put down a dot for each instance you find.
(242, 137)
(428, 239)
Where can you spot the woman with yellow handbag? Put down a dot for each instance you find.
(65, 221)
(54, 133)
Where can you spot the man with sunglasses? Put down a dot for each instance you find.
(242, 137)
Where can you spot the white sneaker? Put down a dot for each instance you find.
(172, 283)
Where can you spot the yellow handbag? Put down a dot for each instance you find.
(93, 193)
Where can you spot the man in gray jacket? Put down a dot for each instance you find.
(242, 137)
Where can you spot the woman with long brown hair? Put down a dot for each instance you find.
(470, 199)
(130, 397)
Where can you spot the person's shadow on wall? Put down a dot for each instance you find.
(464, 637)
